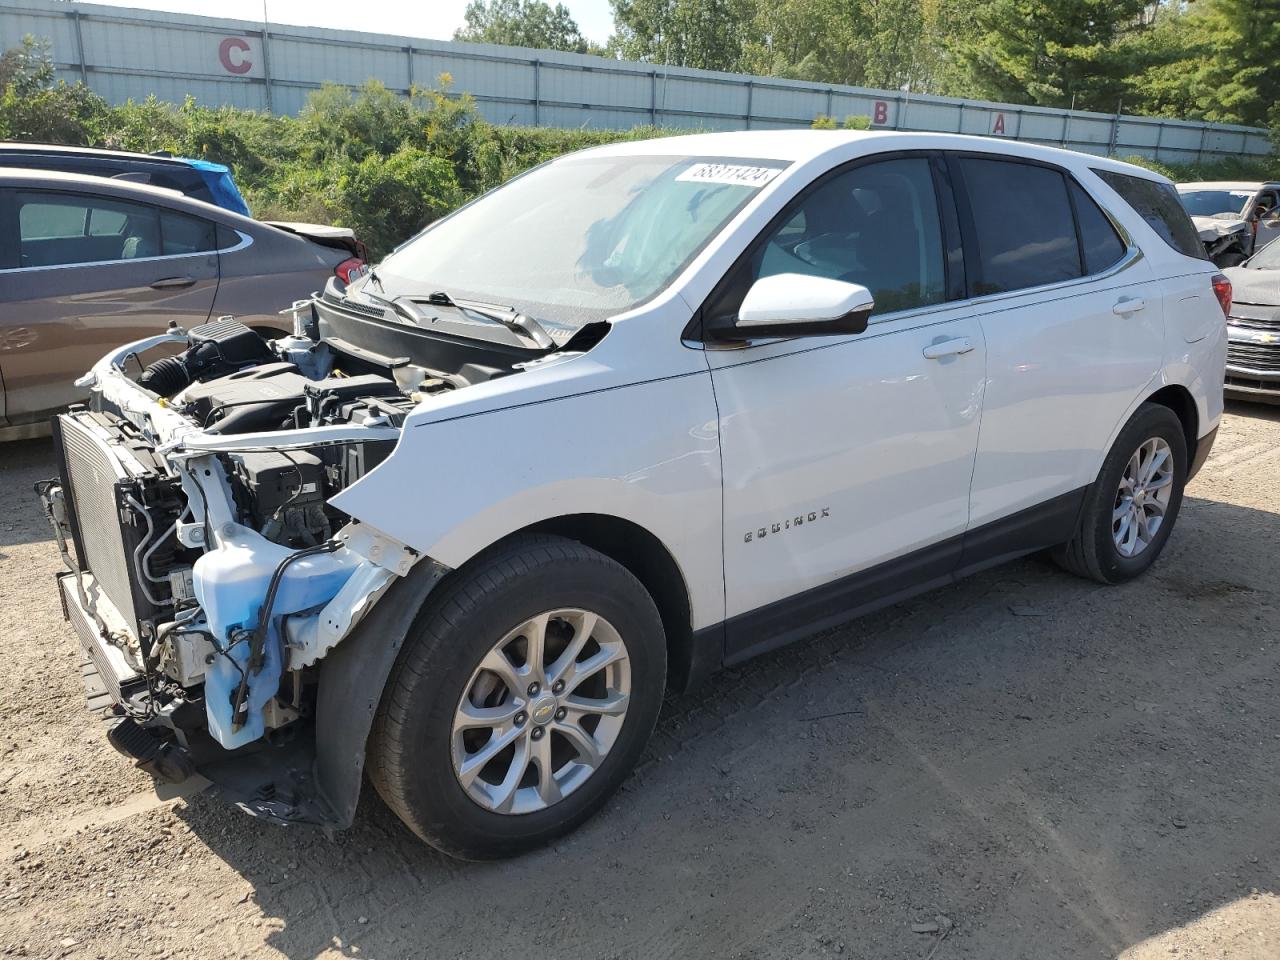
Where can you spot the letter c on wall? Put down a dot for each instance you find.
(238, 45)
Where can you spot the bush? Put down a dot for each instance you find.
(1225, 168)
(34, 107)
(851, 122)
(392, 198)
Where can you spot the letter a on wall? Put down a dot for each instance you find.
(997, 126)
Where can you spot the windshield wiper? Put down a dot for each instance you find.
(508, 316)
(403, 307)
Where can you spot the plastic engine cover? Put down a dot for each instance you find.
(231, 583)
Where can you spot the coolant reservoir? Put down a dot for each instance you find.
(231, 584)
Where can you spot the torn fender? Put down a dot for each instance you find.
(352, 678)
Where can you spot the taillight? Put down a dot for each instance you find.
(351, 269)
(1222, 290)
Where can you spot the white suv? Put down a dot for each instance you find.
(646, 410)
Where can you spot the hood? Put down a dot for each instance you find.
(1254, 286)
(1211, 228)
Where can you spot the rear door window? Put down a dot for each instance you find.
(1023, 225)
(1099, 242)
(1158, 204)
(56, 229)
(184, 234)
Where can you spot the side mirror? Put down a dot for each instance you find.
(798, 305)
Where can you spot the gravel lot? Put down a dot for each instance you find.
(1023, 765)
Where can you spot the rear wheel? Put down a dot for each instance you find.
(1130, 510)
(523, 696)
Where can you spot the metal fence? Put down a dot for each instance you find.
(125, 53)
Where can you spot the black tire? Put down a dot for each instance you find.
(410, 760)
(1092, 551)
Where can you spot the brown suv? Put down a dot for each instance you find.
(88, 263)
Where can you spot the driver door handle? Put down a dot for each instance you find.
(169, 283)
(1127, 305)
(948, 348)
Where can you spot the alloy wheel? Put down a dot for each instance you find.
(541, 711)
(1141, 503)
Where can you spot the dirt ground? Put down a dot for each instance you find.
(1021, 766)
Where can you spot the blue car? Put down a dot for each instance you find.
(200, 179)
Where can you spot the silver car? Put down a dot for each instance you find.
(1253, 328)
(88, 263)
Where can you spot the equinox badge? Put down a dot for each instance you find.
(798, 520)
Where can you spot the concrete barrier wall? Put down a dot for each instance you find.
(124, 53)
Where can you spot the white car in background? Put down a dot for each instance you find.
(1233, 218)
(1253, 328)
(645, 411)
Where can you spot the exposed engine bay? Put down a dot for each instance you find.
(208, 571)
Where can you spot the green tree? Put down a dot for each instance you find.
(877, 43)
(1050, 52)
(1216, 60)
(706, 34)
(522, 23)
(1246, 83)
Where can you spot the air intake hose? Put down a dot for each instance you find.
(165, 376)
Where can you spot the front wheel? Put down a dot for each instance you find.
(524, 694)
(1130, 510)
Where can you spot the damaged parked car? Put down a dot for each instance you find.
(645, 411)
(1233, 218)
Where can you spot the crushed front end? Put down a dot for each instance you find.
(207, 575)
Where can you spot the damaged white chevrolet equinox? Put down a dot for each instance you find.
(642, 412)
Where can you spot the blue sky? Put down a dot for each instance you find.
(436, 19)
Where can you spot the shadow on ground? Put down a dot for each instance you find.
(22, 463)
(1256, 411)
(1037, 766)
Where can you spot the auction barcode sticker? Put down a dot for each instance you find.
(733, 173)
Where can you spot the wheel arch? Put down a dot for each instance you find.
(649, 560)
(1179, 399)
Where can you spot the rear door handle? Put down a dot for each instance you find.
(948, 348)
(1127, 305)
(172, 282)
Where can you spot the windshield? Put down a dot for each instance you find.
(1268, 258)
(1210, 203)
(579, 239)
